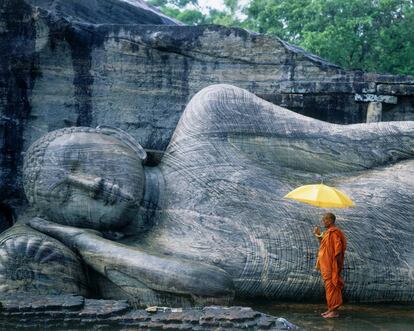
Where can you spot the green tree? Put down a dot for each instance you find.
(186, 11)
(372, 35)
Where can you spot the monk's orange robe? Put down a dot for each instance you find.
(330, 262)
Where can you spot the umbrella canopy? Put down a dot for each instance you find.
(321, 195)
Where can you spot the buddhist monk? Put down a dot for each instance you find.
(330, 262)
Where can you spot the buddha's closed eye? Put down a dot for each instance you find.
(99, 188)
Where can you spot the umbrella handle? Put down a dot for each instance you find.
(316, 235)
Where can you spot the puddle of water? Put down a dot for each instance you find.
(353, 317)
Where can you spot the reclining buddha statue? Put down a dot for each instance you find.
(209, 222)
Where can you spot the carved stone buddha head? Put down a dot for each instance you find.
(85, 177)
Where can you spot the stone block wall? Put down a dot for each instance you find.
(68, 312)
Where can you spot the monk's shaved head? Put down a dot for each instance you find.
(331, 216)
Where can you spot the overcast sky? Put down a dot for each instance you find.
(218, 4)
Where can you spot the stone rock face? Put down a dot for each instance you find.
(90, 63)
(22, 311)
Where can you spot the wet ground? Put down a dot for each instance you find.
(353, 317)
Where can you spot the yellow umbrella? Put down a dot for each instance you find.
(321, 195)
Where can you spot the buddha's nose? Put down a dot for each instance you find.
(98, 187)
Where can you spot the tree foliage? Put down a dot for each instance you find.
(372, 35)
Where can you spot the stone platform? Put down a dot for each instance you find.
(70, 312)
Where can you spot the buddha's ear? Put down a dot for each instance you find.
(125, 137)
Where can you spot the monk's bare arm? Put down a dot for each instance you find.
(318, 234)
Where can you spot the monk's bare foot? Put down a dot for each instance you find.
(331, 314)
(324, 313)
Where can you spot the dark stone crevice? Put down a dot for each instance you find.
(17, 75)
(83, 79)
(7, 217)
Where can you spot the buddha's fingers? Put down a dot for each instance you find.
(135, 268)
